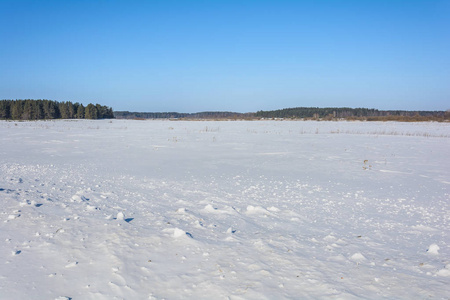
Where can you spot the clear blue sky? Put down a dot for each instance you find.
(244, 56)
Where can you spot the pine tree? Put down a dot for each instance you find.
(80, 112)
(51, 110)
(37, 110)
(63, 110)
(5, 110)
(71, 110)
(27, 113)
(16, 110)
(91, 112)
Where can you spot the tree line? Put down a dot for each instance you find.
(175, 115)
(346, 113)
(48, 109)
(315, 113)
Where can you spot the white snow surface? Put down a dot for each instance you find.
(123, 209)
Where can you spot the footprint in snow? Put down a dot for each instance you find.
(91, 208)
(72, 264)
(13, 216)
(28, 202)
(79, 198)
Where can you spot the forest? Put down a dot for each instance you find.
(314, 113)
(48, 109)
(175, 115)
(368, 114)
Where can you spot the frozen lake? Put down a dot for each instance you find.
(123, 209)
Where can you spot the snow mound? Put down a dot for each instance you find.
(120, 216)
(358, 257)
(273, 209)
(433, 249)
(445, 272)
(79, 198)
(210, 208)
(256, 210)
(179, 233)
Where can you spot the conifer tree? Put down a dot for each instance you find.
(5, 110)
(37, 110)
(80, 112)
(27, 113)
(16, 110)
(63, 110)
(71, 110)
(91, 112)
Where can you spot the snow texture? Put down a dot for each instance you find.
(224, 210)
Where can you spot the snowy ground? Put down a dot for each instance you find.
(224, 210)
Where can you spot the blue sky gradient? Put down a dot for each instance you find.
(190, 56)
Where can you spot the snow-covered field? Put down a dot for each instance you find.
(224, 210)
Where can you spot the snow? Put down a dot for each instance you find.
(123, 209)
(433, 249)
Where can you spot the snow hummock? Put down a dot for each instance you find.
(445, 271)
(123, 209)
(120, 216)
(433, 249)
(358, 257)
(178, 233)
